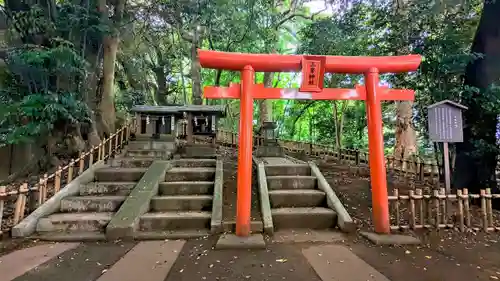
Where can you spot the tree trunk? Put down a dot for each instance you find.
(107, 105)
(161, 91)
(196, 68)
(406, 138)
(266, 106)
(475, 164)
(406, 142)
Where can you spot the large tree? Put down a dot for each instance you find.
(477, 155)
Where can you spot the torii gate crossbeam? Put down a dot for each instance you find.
(313, 69)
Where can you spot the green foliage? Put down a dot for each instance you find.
(40, 95)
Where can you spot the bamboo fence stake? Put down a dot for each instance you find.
(460, 210)
(57, 180)
(396, 206)
(2, 200)
(110, 146)
(81, 163)
(466, 207)
(489, 207)
(19, 202)
(484, 216)
(70, 171)
(436, 205)
(421, 206)
(412, 209)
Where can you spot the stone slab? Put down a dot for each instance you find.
(265, 205)
(277, 161)
(216, 220)
(390, 239)
(338, 263)
(308, 236)
(19, 262)
(344, 220)
(231, 241)
(125, 221)
(28, 225)
(148, 261)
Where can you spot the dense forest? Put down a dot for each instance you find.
(71, 69)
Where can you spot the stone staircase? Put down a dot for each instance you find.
(184, 201)
(87, 213)
(91, 210)
(296, 201)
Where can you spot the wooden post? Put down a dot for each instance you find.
(189, 128)
(70, 171)
(115, 148)
(19, 209)
(57, 180)
(122, 137)
(3, 196)
(466, 207)
(446, 167)
(81, 163)
(45, 186)
(99, 152)
(39, 193)
(110, 146)
(460, 210)
(138, 124)
(91, 156)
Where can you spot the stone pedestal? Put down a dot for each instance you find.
(199, 151)
(270, 150)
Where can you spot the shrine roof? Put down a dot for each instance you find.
(218, 110)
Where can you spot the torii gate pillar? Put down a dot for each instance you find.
(313, 69)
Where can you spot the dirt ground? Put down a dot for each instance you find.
(443, 255)
(230, 159)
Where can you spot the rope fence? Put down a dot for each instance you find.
(18, 202)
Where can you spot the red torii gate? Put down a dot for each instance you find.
(313, 69)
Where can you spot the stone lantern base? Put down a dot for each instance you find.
(269, 151)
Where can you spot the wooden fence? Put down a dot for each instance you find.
(18, 201)
(438, 210)
(414, 210)
(414, 168)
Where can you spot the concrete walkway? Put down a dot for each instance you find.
(180, 260)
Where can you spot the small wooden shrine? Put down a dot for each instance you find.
(178, 121)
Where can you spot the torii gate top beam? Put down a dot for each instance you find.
(292, 63)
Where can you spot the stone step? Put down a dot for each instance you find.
(91, 203)
(107, 188)
(181, 203)
(285, 198)
(74, 222)
(164, 221)
(114, 174)
(255, 226)
(190, 174)
(132, 162)
(288, 170)
(291, 182)
(195, 162)
(156, 153)
(151, 144)
(186, 188)
(313, 218)
(149, 137)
